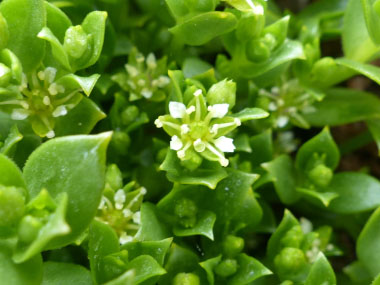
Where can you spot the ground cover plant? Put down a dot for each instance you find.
(189, 142)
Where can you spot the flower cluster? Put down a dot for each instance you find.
(121, 210)
(144, 77)
(41, 99)
(198, 129)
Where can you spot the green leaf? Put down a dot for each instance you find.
(151, 227)
(56, 21)
(372, 20)
(10, 173)
(102, 242)
(29, 272)
(156, 249)
(80, 120)
(94, 26)
(288, 51)
(376, 281)
(324, 197)
(73, 164)
(283, 174)
(10, 142)
(358, 192)
(321, 272)
(57, 49)
(4, 33)
(249, 270)
(202, 28)
(204, 226)
(357, 44)
(368, 70)
(368, 244)
(72, 82)
(127, 278)
(322, 144)
(145, 267)
(274, 243)
(65, 273)
(209, 265)
(343, 106)
(55, 226)
(374, 128)
(251, 114)
(202, 176)
(25, 19)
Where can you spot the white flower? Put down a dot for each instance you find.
(176, 143)
(224, 144)
(218, 110)
(177, 110)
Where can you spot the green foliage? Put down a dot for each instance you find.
(160, 141)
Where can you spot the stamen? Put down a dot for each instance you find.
(199, 145)
(158, 123)
(222, 160)
(184, 129)
(181, 153)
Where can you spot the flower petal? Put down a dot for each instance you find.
(218, 110)
(175, 143)
(224, 144)
(177, 110)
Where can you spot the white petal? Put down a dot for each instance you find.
(177, 110)
(151, 61)
(218, 110)
(176, 143)
(224, 144)
(19, 114)
(282, 121)
(119, 199)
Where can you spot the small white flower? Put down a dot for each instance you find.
(199, 145)
(198, 92)
(218, 110)
(177, 110)
(176, 143)
(224, 144)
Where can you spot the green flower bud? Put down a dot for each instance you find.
(120, 142)
(186, 279)
(290, 260)
(29, 228)
(4, 33)
(186, 210)
(321, 175)
(232, 245)
(250, 25)
(222, 92)
(325, 66)
(226, 268)
(129, 114)
(293, 237)
(257, 50)
(5, 75)
(75, 42)
(114, 177)
(12, 206)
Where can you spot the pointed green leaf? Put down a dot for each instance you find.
(72, 82)
(145, 267)
(204, 226)
(324, 197)
(358, 192)
(73, 164)
(202, 28)
(10, 142)
(321, 272)
(25, 19)
(65, 273)
(251, 114)
(151, 227)
(10, 173)
(209, 265)
(368, 244)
